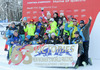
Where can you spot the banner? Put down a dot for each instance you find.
(46, 55)
(80, 9)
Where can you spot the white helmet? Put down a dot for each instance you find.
(51, 19)
(48, 13)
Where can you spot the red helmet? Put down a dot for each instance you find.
(45, 34)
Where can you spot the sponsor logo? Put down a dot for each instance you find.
(2, 32)
(34, 12)
(83, 16)
(83, 10)
(75, 16)
(76, 10)
(29, 7)
(58, 1)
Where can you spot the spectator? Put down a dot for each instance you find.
(36, 39)
(46, 38)
(78, 40)
(21, 30)
(30, 29)
(15, 39)
(47, 18)
(70, 21)
(84, 28)
(27, 40)
(25, 21)
(72, 29)
(60, 26)
(61, 40)
(56, 17)
(53, 39)
(53, 25)
(40, 28)
(7, 27)
(63, 18)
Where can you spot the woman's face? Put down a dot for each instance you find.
(15, 34)
(60, 22)
(61, 40)
(76, 35)
(50, 22)
(55, 15)
(45, 36)
(13, 25)
(36, 36)
(31, 22)
(48, 16)
(53, 36)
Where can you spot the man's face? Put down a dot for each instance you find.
(40, 20)
(15, 34)
(68, 22)
(81, 25)
(75, 23)
(60, 22)
(31, 22)
(70, 19)
(53, 36)
(76, 35)
(13, 25)
(36, 36)
(61, 40)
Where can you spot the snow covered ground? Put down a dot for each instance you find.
(4, 63)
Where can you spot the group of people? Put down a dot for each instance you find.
(48, 30)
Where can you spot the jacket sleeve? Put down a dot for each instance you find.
(42, 30)
(7, 27)
(8, 33)
(80, 49)
(66, 27)
(21, 41)
(9, 41)
(53, 29)
(26, 29)
(44, 16)
(88, 24)
(34, 28)
(18, 24)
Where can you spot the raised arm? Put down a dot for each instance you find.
(89, 23)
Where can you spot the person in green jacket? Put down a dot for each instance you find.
(70, 21)
(30, 28)
(54, 28)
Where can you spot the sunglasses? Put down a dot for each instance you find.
(74, 21)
